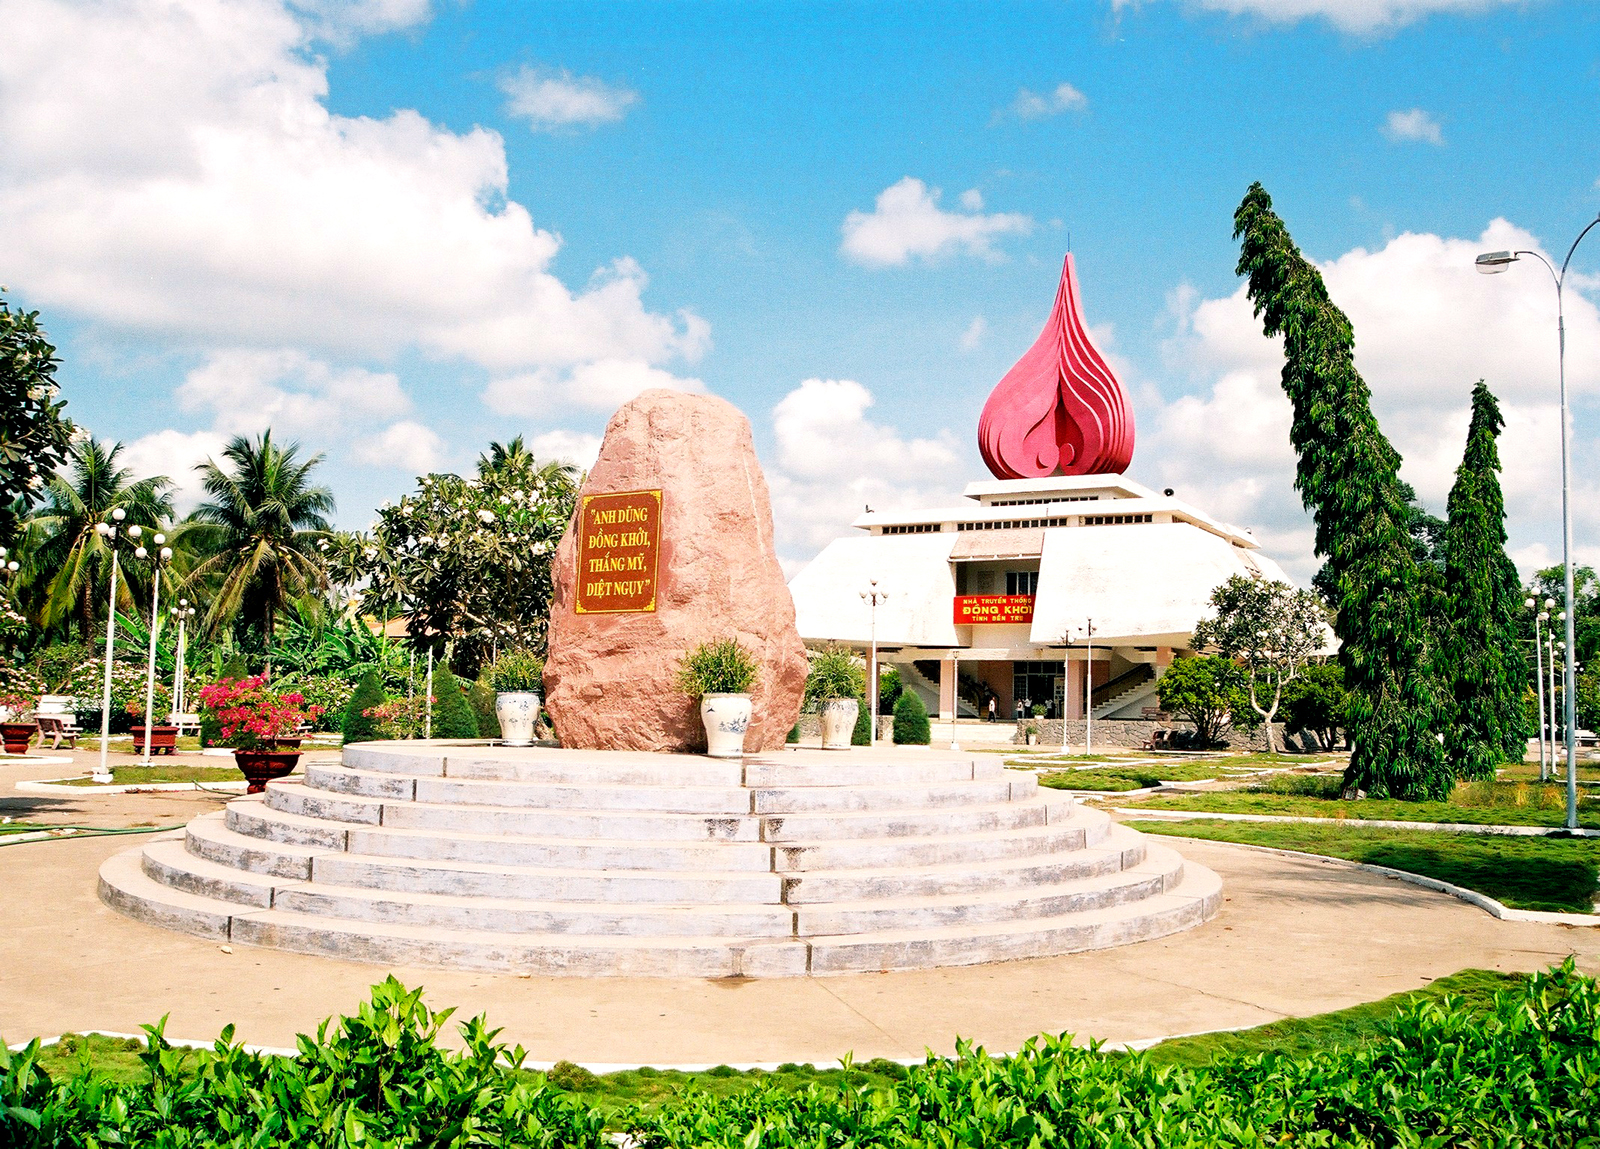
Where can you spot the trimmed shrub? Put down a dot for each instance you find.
(357, 725)
(794, 734)
(911, 721)
(861, 735)
(452, 713)
(481, 696)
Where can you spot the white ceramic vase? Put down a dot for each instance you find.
(727, 717)
(839, 722)
(518, 711)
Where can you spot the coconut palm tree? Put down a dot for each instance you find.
(68, 562)
(514, 458)
(258, 531)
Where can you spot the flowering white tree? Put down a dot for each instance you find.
(1271, 630)
(466, 560)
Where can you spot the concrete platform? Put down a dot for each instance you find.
(547, 861)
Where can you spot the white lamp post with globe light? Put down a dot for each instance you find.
(163, 555)
(1538, 678)
(1492, 263)
(183, 612)
(873, 597)
(108, 531)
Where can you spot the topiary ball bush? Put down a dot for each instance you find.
(452, 713)
(369, 692)
(911, 721)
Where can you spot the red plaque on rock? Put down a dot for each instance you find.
(619, 548)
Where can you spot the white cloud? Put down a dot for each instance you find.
(575, 447)
(174, 454)
(1036, 106)
(341, 20)
(973, 335)
(247, 392)
(405, 446)
(832, 461)
(172, 169)
(551, 100)
(602, 386)
(1427, 328)
(908, 222)
(1355, 16)
(1415, 126)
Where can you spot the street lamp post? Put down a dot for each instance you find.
(1538, 680)
(872, 596)
(108, 531)
(163, 555)
(1088, 688)
(1491, 263)
(183, 612)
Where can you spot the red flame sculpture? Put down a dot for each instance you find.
(1060, 410)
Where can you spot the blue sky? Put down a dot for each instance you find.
(342, 220)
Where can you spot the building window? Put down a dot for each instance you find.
(914, 529)
(1110, 520)
(1022, 582)
(1036, 684)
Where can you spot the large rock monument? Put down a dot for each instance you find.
(670, 546)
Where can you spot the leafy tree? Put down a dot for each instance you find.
(358, 727)
(452, 713)
(911, 721)
(68, 560)
(889, 688)
(861, 732)
(1208, 690)
(258, 530)
(1315, 700)
(1550, 584)
(1271, 629)
(34, 434)
(1348, 477)
(467, 561)
(1587, 701)
(1483, 669)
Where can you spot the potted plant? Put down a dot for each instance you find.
(517, 676)
(16, 729)
(834, 685)
(720, 675)
(1031, 733)
(261, 725)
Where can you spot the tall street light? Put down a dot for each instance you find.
(873, 597)
(1492, 263)
(1538, 676)
(163, 555)
(183, 612)
(108, 531)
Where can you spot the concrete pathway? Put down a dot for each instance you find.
(1295, 937)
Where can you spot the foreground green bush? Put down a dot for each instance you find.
(1524, 1072)
(911, 721)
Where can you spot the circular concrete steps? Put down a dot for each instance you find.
(571, 862)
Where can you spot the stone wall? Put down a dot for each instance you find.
(1132, 732)
(811, 727)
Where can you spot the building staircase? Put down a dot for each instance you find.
(570, 862)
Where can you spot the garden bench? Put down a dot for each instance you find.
(184, 723)
(57, 729)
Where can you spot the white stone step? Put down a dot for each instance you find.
(1196, 897)
(836, 826)
(170, 864)
(559, 853)
(1161, 872)
(127, 888)
(483, 879)
(789, 770)
(253, 818)
(208, 837)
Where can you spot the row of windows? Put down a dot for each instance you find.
(1050, 499)
(1108, 520)
(1022, 582)
(1016, 524)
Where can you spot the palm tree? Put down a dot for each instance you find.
(69, 563)
(514, 458)
(258, 530)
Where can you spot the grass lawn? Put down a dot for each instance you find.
(1529, 771)
(148, 775)
(1560, 874)
(1134, 777)
(1317, 796)
(117, 1058)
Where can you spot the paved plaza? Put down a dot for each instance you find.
(1294, 937)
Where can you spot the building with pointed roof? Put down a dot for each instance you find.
(1059, 583)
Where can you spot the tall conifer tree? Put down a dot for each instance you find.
(1484, 665)
(1348, 477)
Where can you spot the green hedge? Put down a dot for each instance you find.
(911, 721)
(1521, 1073)
(453, 716)
(357, 726)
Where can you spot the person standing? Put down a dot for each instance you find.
(991, 708)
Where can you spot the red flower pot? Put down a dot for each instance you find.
(261, 766)
(16, 735)
(163, 739)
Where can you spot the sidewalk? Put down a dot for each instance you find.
(1295, 937)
